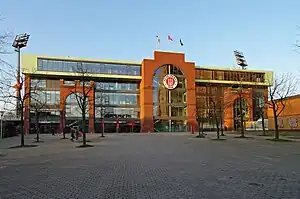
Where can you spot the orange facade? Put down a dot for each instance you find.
(194, 87)
(289, 119)
(149, 66)
(66, 90)
(229, 98)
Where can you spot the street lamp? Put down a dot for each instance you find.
(240, 59)
(1, 125)
(19, 43)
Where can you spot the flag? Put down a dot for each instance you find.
(170, 38)
(181, 42)
(157, 39)
(157, 42)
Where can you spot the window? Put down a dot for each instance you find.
(117, 98)
(38, 83)
(91, 67)
(40, 64)
(184, 98)
(48, 96)
(123, 87)
(69, 82)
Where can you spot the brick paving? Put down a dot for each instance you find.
(151, 166)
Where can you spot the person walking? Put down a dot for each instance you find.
(77, 134)
(72, 134)
(53, 130)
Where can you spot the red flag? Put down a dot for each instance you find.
(103, 124)
(170, 38)
(117, 124)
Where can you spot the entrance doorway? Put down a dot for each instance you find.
(240, 107)
(169, 100)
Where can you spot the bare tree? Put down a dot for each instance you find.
(202, 111)
(102, 101)
(297, 43)
(241, 91)
(10, 87)
(216, 105)
(82, 90)
(261, 104)
(201, 118)
(4, 41)
(37, 104)
(216, 114)
(284, 86)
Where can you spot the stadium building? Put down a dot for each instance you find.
(289, 118)
(161, 94)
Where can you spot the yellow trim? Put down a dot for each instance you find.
(68, 58)
(269, 78)
(231, 69)
(231, 82)
(29, 66)
(29, 61)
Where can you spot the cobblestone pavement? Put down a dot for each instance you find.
(152, 166)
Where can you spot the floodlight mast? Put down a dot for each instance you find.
(20, 42)
(240, 59)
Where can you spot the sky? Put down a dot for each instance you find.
(264, 30)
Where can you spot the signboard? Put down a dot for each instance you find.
(170, 81)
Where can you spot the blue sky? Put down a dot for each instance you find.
(265, 30)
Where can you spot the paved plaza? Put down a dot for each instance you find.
(150, 166)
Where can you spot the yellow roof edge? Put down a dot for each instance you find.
(82, 59)
(135, 63)
(232, 82)
(231, 69)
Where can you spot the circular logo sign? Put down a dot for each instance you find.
(170, 81)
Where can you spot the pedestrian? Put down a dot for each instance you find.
(53, 131)
(72, 134)
(77, 134)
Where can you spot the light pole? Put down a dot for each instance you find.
(19, 43)
(1, 125)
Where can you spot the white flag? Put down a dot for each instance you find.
(157, 42)
(157, 39)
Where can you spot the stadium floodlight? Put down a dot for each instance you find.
(240, 59)
(20, 42)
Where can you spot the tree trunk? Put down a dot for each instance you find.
(216, 121)
(222, 126)
(242, 119)
(83, 129)
(37, 129)
(263, 122)
(199, 128)
(22, 127)
(103, 125)
(276, 123)
(202, 130)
